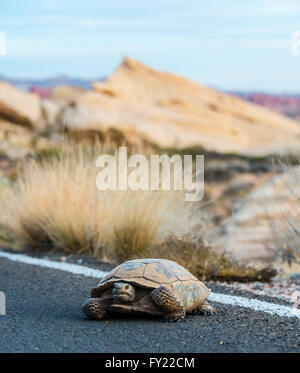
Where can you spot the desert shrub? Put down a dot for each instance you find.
(131, 238)
(55, 204)
(287, 229)
(205, 263)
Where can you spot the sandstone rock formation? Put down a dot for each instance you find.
(170, 111)
(263, 226)
(66, 94)
(15, 141)
(19, 106)
(50, 111)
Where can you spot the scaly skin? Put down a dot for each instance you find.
(166, 300)
(204, 309)
(96, 308)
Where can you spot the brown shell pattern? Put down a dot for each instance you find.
(154, 273)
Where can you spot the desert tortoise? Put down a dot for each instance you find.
(149, 286)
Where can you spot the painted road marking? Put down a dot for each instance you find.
(76, 269)
(257, 305)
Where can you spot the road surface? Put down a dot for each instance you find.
(43, 314)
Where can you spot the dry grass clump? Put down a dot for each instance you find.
(55, 204)
(152, 216)
(287, 228)
(205, 263)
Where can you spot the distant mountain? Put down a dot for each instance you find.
(287, 104)
(28, 84)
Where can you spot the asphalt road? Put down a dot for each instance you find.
(43, 314)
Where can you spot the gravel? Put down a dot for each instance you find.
(287, 290)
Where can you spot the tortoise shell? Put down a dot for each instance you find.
(153, 273)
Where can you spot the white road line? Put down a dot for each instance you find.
(67, 267)
(257, 305)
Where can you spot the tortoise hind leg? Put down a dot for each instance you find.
(166, 300)
(204, 308)
(96, 308)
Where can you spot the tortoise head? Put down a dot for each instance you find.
(123, 292)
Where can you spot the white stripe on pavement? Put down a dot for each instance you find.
(257, 305)
(76, 269)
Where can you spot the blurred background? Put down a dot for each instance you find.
(222, 44)
(171, 76)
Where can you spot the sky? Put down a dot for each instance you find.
(226, 44)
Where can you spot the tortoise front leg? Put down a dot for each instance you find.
(204, 308)
(166, 300)
(96, 308)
